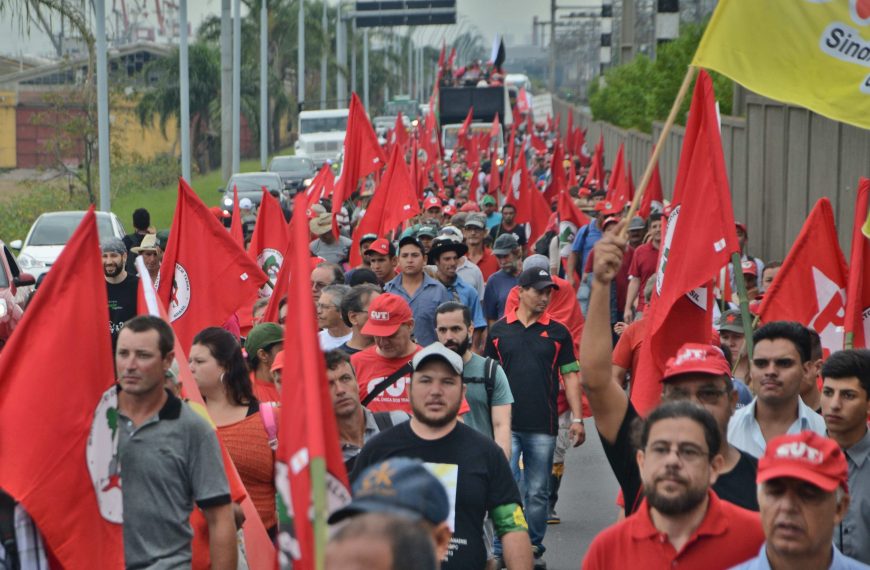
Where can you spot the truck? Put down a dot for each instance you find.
(321, 135)
(403, 104)
(485, 102)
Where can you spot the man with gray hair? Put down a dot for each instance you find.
(334, 332)
(121, 286)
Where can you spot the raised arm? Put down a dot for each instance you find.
(606, 398)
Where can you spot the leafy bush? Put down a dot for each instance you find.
(18, 214)
(642, 91)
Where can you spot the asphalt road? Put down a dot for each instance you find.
(586, 504)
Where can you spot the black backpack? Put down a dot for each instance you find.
(488, 380)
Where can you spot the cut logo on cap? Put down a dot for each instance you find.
(800, 450)
(380, 315)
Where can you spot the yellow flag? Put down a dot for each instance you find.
(812, 53)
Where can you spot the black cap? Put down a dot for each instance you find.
(537, 278)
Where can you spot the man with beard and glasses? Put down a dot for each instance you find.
(699, 373)
(681, 521)
(121, 286)
(471, 466)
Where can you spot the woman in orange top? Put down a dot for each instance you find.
(219, 370)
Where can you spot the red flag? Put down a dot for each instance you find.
(616, 173)
(311, 436)
(857, 319)
(322, 185)
(399, 136)
(495, 131)
(362, 155)
(653, 195)
(532, 207)
(205, 276)
(236, 221)
(58, 444)
(523, 101)
(624, 189)
(558, 182)
(537, 143)
(474, 184)
(572, 176)
(569, 132)
(699, 240)
(393, 202)
(259, 551)
(462, 135)
(494, 177)
(810, 287)
(596, 171)
(570, 213)
(580, 148)
(269, 240)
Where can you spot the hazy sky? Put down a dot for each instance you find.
(511, 18)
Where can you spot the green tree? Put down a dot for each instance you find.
(638, 93)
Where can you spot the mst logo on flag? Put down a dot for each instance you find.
(102, 455)
(270, 261)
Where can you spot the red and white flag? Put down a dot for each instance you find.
(58, 415)
(269, 240)
(700, 238)
(205, 276)
(857, 319)
(653, 196)
(308, 436)
(595, 177)
(236, 230)
(810, 287)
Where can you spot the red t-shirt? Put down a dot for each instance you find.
(264, 391)
(626, 353)
(643, 266)
(488, 263)
(371, 368)
(727, 536)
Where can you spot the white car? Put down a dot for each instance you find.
(49, 234)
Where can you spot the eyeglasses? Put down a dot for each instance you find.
(319, 285)
(686, 452)
(777, 362)
(708, 396)
(324, 306)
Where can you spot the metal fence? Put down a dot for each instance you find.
(780, 159)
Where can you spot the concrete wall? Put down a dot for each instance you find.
(780, 159)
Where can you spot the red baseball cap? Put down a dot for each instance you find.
(387, 313)
(431, 202)
(470, 207)
(749, 268)
(806, 456)
(741, 226)
(278, 363)
(695, 358)
(607, 208)
(608, 221)
(450, 210)
(380, 245)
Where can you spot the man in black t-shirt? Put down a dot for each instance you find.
(534, 351)
(508, 226)
(697, 372)
(122, 287)
(471, 466)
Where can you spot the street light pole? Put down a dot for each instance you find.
(366, 69)
(226, 89)
(264, 84)
(237, 84)
(103, 107)
(341, 56)
(184, 85)
(323, 48)
(300, 60)
(551, 79)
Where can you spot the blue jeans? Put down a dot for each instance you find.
(534, 480)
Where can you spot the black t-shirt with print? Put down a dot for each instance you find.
(122, 303)
(480, 473)
(532, 357)
(737, 486)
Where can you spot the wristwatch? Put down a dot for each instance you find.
(577, 421)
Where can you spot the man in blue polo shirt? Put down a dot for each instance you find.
(445, 255)
(423, 293)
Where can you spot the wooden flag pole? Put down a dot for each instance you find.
(744, 303)
(657, 150)
(321, 530)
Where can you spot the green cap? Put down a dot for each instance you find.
(263, 336)
(488, 200)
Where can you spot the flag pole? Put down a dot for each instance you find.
(318, 489)
(744, 303)
(657, 149)
(849, 341)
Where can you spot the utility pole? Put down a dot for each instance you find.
(103, 107)
(237, 84)
(264, 84)
(226, 90)
(325, 25)
(366, 69)
(551, 79)
(410, 45)
(184, 85)
(341, 56)
(300, 60)
(353, 55)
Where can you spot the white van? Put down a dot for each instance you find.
(321, 134)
